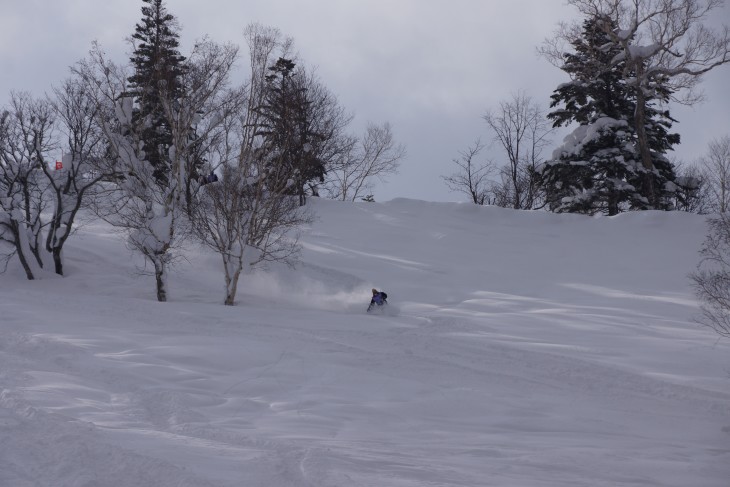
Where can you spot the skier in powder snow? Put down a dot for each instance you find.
(379, 299)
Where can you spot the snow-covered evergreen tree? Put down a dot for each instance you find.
(598, 168)
(158, 67)
(666, 47)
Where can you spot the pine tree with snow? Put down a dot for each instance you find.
(288, 130)
(158, 68)
(598, 168)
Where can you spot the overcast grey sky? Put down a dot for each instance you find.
(429, 67)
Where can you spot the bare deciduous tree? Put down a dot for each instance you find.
(134, 203)
(693, 194)
(245, 224)
(196, 116)
(265, 45)
(716, 171)
(150, 212)
(472, 178)
(664, 40)
(365, 160)
(83, 164)
(237, 216)
(712, 277)
(519, 126)
(26, 137)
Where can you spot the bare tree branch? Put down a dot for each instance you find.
(521, 129)
(472, 178)
(716, 171)
(712, 277)
(373, 157)
(26, 138)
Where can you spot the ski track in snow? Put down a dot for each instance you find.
(511, 355)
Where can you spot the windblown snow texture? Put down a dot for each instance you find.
(528, 349)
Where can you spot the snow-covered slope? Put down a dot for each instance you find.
(520, 349)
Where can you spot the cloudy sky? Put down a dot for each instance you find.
(429, 67)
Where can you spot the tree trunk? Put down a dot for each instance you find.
(643, 143)
(26, 267)
(23, 249)
(612, 206)
(160, 278)
(21, 254)
(231, 283)
(57, 260)
(231, 288)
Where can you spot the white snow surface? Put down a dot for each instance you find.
(519, 349)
